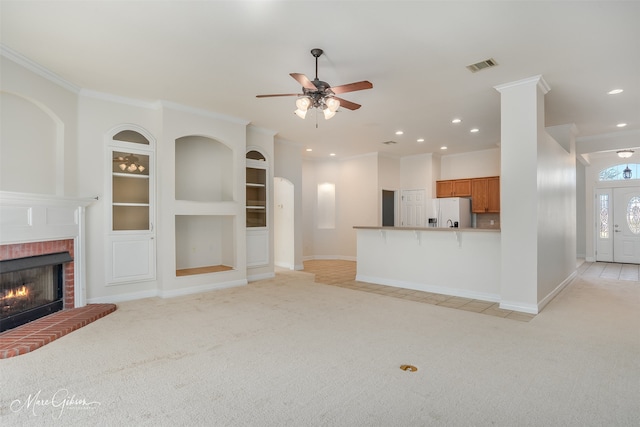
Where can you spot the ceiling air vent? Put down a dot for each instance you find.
(487, 63)
(389, 142)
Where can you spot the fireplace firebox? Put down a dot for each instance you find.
(31, 288)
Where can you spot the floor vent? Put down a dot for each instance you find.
(487, 63)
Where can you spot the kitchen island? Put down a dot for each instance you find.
(462, 262)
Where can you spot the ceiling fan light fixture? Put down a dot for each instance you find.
(332, 104)
(303, 103)
(301, 113)
(625, 154)
(328, 113)
(122, 166)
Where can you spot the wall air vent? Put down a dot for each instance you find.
(389, 142)
(487, 63)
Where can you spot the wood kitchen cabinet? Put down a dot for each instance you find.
(453, 188)
(485, 195)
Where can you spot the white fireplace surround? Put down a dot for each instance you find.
(30, 218)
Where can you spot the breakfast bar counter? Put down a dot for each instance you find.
(461, 262)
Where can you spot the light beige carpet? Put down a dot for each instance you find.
(290, 352)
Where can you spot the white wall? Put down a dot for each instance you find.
(38, 142)
(556, 215)
(475, 164)
(288, 165)
(356, 203)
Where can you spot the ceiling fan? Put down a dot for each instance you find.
(320, 95)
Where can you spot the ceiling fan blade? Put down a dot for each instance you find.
(304, 81)
(279, 94)
(351, 87)
(348, 104)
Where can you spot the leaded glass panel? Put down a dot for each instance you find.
(604, 216)
(615, 173)
(633, 214)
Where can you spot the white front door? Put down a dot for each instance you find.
(626, 225)
(413, 208)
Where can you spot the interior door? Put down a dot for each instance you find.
(626, 225)
(413, 208)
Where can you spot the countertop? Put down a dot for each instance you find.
(484, 230)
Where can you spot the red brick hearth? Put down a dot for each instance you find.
(37, 333)
(34, 335)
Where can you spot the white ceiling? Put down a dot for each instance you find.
(217, 55)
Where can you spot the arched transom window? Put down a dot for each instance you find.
(617, 172)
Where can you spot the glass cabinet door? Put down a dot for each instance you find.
(130, 191)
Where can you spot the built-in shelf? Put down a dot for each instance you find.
(202, 270)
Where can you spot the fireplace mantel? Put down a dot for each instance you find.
(31, 218)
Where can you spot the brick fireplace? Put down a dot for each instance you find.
(32, 225)
(23, 250)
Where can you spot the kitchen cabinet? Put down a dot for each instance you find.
(453, 188)
(485, 195)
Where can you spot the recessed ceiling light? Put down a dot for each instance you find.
(309, 149)
(399, 132)
(420, 139)
(444, 147)
(615, 91)
(332, 154)
(621, 125)
(474, 130)
(456, 121)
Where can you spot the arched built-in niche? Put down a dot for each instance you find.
(32, 146)
(203, 170)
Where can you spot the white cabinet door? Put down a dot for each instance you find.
(257, 248)
(131, 258)
(626, 225)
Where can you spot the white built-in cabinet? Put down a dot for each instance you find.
(130, 201)
(257, 209)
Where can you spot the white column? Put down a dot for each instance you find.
(522, 129)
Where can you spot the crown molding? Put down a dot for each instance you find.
(154, 105)
(537, 80)
(37, 68)
(262, 130)
(207, 113)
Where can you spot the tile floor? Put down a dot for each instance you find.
(609, 270)
(343, 274)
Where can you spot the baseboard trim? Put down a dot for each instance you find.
(113, 299)
(201, 288)
(330, 257)
(556, 291)
(262, 276)
(454, 292)
(518, 306)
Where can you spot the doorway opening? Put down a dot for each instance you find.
(283, 223)
(388, 208)
(618, 225)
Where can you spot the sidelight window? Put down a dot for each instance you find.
(604, 216)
